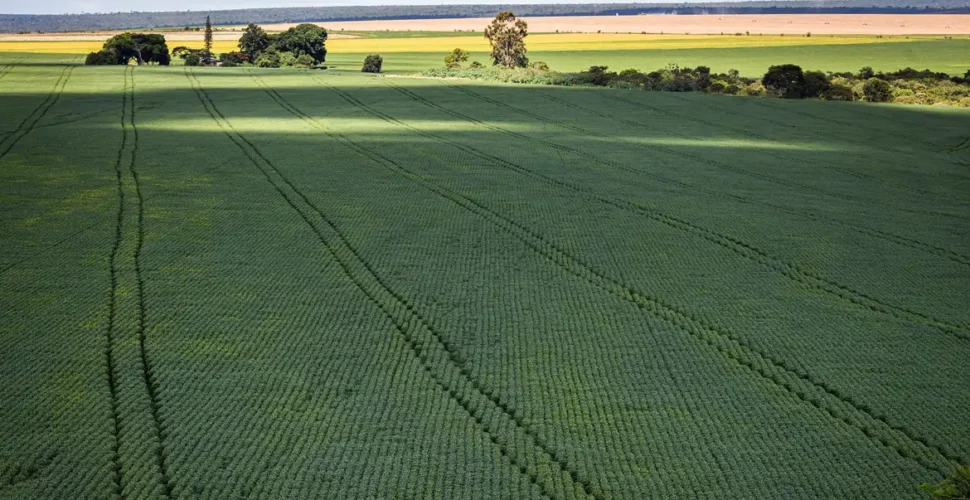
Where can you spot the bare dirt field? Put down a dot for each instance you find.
(829, 24)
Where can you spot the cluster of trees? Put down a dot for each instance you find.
(908, 86)
(786, 81)
(140, 20)
(302, 46)
(144, 48)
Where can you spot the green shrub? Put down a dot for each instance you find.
(539, 66)
(876, 90)
(786, 81)
(286, 59)
(268, 59)
(193, 59)
(101, 58)
(304, 61)
(836, 92)
(373, 63)
(755, 89)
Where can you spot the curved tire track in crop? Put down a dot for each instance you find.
(894, 238)
(432, 350)
(796, 383)
(31, 121)
(740, 247)
(7, 68)
(126, 327)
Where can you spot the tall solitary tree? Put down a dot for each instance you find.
(253, 41)
(507, 36)
(207, 50)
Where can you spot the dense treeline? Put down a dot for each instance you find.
(133, 20)
(786, 81)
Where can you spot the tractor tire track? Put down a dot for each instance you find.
(894, 238)
(545, 469)
(111, 366)
(132, 393)
(740, 247)
(7, 68)
(148, 370)
(794, 382)
(31, 121)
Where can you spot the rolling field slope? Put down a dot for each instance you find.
(232, 283)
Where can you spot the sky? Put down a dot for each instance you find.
(89, 6)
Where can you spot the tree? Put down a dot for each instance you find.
(877, 90)
(816, 84)
(193, 59)
(101, 58)
(207, 41)
(866, 73)
(305, 38)
(268, 59)
(253, 41)
(455, 59)
(373, 63)
(142, 47)
(507, 36)
(786, 81)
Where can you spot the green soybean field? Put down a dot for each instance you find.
(241, 283)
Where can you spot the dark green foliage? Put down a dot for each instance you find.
(100, 58)
(456, 58)
(865, 73)
(303, 61)
(373, 63)
(539, 66)
(786, 81)
(194, 59)
(837, 93)
(144, 48)
(507, 35)
(816, 84)
(955, 487)
(253, 41)
(476, 65)
(877, 90)
(306, 38)
(268, 59)
(231, 59)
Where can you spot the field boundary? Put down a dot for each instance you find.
(727, 343)
(432, 351)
